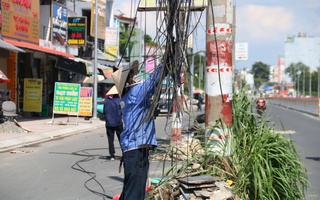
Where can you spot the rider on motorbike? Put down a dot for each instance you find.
(261, 104)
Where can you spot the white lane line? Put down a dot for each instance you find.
(285, 132)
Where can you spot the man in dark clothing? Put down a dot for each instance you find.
(113, 118)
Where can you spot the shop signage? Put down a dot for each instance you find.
(66, 98)
(32, 95)
(20, 20)
(77, 33)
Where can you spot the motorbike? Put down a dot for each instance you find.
(260, 110)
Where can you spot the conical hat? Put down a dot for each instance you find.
(121, 75)
(113, 90)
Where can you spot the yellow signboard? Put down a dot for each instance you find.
(32, 95)
(85, 101)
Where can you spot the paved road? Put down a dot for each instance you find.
(304, 129)
(75, 167)
(69, 168)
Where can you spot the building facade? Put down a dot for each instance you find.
(302, 48)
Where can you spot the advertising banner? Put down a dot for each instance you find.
(66, 98)
(32, 95)
(85, 103)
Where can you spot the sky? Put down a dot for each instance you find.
(263, 24)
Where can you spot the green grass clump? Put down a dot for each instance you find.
(265, 165)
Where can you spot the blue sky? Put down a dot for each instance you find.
(263, 24)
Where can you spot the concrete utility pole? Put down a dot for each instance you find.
(219, 70)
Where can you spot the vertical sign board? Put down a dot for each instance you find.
(32, 95)
(85, 102)
(66, 98)
(77, 33)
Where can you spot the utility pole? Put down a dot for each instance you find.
(219, 68)
(95, 85)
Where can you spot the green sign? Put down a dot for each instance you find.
(66, 98)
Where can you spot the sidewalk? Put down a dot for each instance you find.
(41, 129)
(36, 130)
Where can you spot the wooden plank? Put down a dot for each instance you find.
(197, 186)
(198, 179)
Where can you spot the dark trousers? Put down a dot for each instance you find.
(110, 135)
(136, 167)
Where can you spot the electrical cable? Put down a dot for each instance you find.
(78, 167)
(92, 174)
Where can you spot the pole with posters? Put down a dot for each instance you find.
(219, 68)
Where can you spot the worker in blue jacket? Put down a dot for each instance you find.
(113, 118)
(138, 136)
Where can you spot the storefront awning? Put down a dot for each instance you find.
(10, 47)
(71, 66)
(38, 48)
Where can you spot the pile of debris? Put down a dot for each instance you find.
(204, 187)
(12, 127)
(198, 187)
(195, 183)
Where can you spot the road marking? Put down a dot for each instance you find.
(285, 132)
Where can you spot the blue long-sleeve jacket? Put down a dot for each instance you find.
(137, 101)
(112, 112)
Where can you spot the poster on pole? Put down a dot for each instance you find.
(66, 98)
(32, 95)
(85, 102)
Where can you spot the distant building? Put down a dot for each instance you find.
(302, 48)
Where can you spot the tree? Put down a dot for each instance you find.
(125, 43)
(260, 73)
(293, 69)
(296, 71)
(148, 40)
